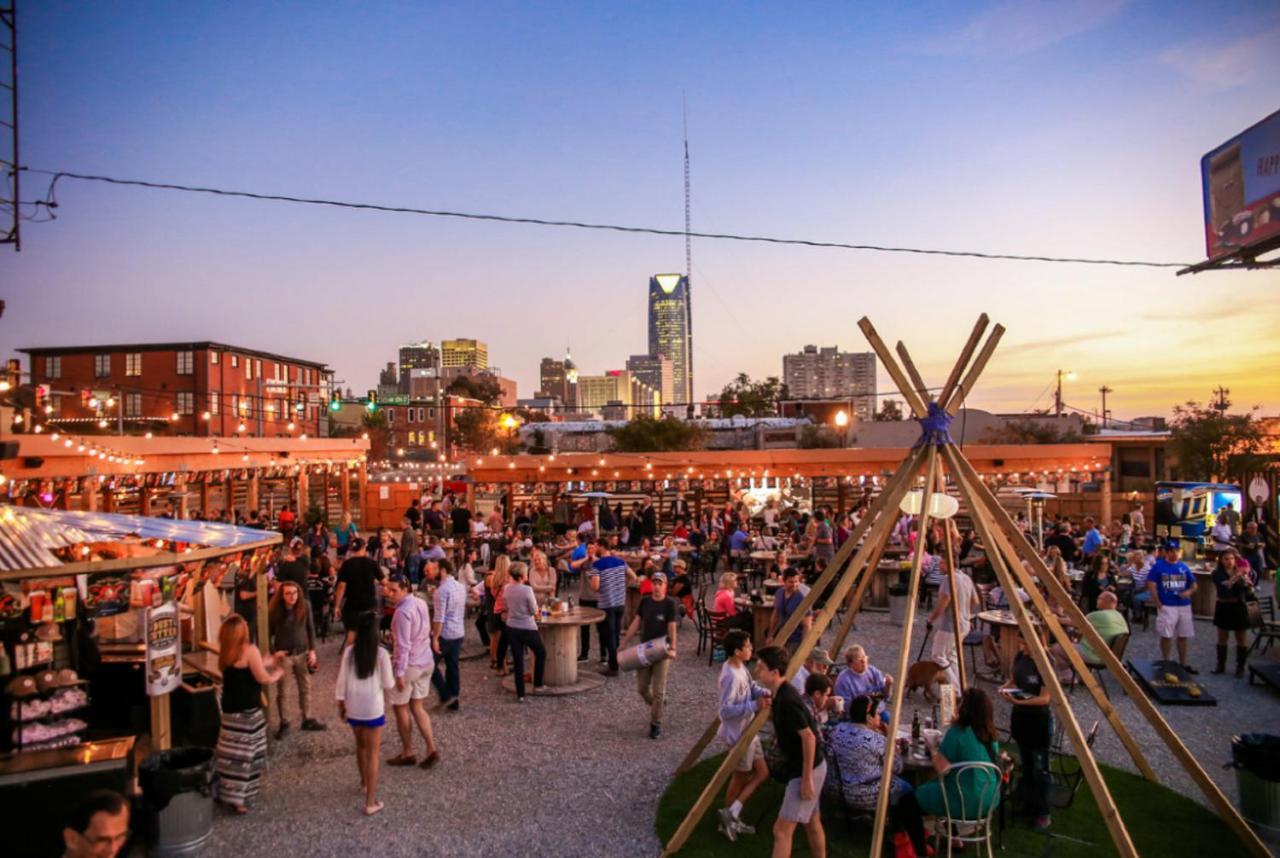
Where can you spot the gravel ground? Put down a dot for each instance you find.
(579, 776)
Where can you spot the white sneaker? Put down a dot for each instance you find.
(727, 825)
(742, 827)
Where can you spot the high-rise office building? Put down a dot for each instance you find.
(828, 373)
(657, 372)
(423, 355)
(618, 387)
(454, 353)
(551, 378)
(669, 330)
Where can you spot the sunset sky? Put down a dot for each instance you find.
(1069, 128)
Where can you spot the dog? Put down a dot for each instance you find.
(925, 675)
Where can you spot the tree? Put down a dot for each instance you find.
(890, 411)
(1212, 444)
(477, 429)
(483, 387)
(752, 398)
(646, 434)
(375, 424)
(1028, 431)
(816, 437)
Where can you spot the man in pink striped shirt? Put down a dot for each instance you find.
(411, 664)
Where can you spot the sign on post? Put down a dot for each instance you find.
(164, 658)
(1241, 183)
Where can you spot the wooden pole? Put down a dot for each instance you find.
(966, 355)
(1031, 637)
(260, 608)
(879, 532)
(891, 366)
(913, 373)
(904, 652)
(951, 581)
(819, 586)
(1002, 546)
(1137, 696)
(161, 726)
(952, 405)
(854, 604)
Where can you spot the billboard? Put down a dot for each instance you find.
(1241, 185)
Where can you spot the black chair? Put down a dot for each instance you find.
(1269, 631)
(1065, 769)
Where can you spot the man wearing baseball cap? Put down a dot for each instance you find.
(819, 661)
(1171, 584)
(657, 617)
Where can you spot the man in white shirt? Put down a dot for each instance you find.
(943, 650)
(447, 632)
(412, 665)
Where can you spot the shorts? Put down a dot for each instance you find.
(796, 809)
(1174, 621)
(380, 721)
(417, 686)
(754, 752)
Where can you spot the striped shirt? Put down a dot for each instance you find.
(612, 572)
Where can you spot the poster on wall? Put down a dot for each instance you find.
(164, 660)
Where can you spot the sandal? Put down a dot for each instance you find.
(372, 809)
(402, 760)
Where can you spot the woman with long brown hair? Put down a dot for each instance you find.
(970, 739)
(293, 634)
(495, 582)
(241, 753)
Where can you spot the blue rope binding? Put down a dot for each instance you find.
(935, 427)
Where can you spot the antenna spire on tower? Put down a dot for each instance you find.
(688, 251)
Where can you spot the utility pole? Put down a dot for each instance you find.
(1057, 394)
(1222, 404)
(1104, 390)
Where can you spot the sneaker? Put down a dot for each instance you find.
(655, 731)
(1041, 823)
(452, 702)
(313, 725)
(726, 826)
(613, 671)
(539, 689)
(1189, 669)
(742, 827)
(284, 728)
(520, 699)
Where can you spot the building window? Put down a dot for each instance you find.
(133, 363)
(55, 401)
(213, 358)
(185, 363)
(391, 416)
(248, 368)
(213, 402)
(133, 405)
(101, 366)
(257, 369)
(235, 361)
(53, 367)
(186, 402)
(237, 406)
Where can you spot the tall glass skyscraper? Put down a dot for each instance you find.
(669, 330)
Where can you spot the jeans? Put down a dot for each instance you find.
(296, 665)
(448, 682)
(412, 568)
(611, 631)
(584, 634)
(482, 626)
(652, 684)
(521, 638)
(1036, 780)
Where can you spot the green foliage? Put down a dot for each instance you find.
(890, 411)
(1211, 444)
(1029, 431)
(477, 429)
(818, 438)
(483, 387)
(650, 435)
(752, 398)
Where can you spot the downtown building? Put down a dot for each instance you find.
(200, 388)
(657, 372)
(671, 330)
(459, 353)
(617, 395)
(828, 373)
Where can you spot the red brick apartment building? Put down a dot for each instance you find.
(202, 389)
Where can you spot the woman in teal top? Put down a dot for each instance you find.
(970, 739)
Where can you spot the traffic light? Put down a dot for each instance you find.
(372, 404)
(41, 396)
(335, 404)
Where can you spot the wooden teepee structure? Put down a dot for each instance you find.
(847, 576)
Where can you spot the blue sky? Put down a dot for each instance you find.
(1070, 128)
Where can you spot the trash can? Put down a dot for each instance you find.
(1256, 759)
(177, 791)
(897, 604)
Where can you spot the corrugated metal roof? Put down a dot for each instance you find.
(29, 537)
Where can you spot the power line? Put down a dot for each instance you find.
(679, 233)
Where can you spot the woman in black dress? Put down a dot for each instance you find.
(1234, 580)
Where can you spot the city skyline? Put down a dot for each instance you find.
(1075, 131)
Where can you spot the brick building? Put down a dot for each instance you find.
(201, 389)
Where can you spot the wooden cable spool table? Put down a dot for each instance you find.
(560, 637)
